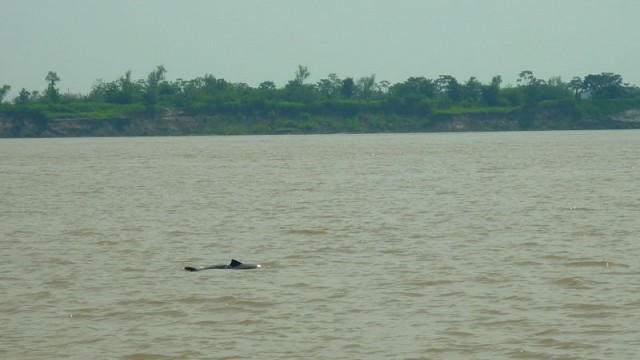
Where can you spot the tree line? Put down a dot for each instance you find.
(330, 96)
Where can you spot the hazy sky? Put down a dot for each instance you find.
(257, 40)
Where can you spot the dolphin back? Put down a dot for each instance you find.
(237, 265)
(234, 264)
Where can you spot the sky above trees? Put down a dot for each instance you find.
(254, 41)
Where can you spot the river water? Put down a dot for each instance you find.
(519, 245)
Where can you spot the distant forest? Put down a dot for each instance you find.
(302, 103)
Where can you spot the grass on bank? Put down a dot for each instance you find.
(604, 109)
(88, 110)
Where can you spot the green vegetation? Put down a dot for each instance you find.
(210, 105)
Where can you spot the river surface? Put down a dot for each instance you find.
(519, 245)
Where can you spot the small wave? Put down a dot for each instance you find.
(83, 232)
(589, 311)
(106, 242)
(565, 345)
(530, 244)
(570, 283)
(124, 314)
(528, 263)
(547, 332)
(226, 299)
(132, 269)
(593, 315)
(58, 283)
(482, 279)
(83, 313)
(142, 301)
(40, 295)
(61, 261)
(324, 249)
(515, 298)
(229, 308)
(148, 356)
(253, 303)
(171, 313)
(207, 323)
(590, 307)
(192, 299)
(528, 354)
(575, 208)
(589, 263)
(432, 282)
(301, 285)
(394, 251)
(247, 322)
(177, 233)
(19, 233)
(458, 333)
(410, 294)
(306, 232)
(632, 304)
(554, 257)
(505, 322)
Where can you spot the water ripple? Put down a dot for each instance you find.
(444, 246)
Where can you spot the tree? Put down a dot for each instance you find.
(366, 85)
(491, 92)
(23, 97)
(448, 85)
(577, 86)
(296, 90)
(121, 91)
(151, 87)
(472, 89)
(329, 86)
(383, 86)
(325, 87)
(4, 90)
(530, 85)
(52, 93)
(526, 78)
(335, 80)
(302, 74)
(415, 85)
(347, 87)
(126, 89)
(604, 85)
(212, 85)
(556, 81)
(267, 85)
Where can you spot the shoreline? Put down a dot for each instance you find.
(175, 123)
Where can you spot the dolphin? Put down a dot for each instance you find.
(233, 265)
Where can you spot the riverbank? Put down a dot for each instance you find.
(16, 122)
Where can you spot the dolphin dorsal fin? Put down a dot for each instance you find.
(235, 263)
